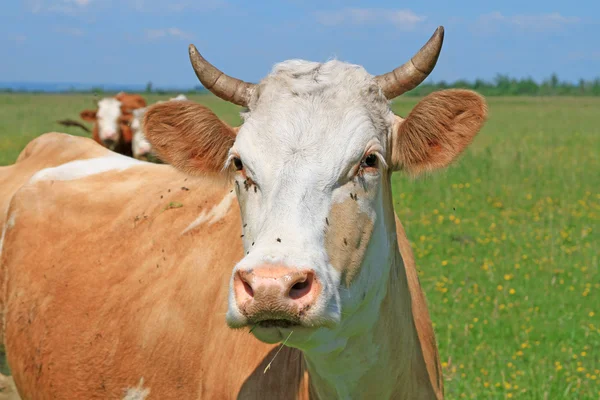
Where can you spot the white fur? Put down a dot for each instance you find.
(179, 97)
(138, 392)
(4, 232)
(108, 114)
(81, 168)
(215, 214)
(139, 144)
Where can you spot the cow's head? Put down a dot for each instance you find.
(311, 168)
(113, 117)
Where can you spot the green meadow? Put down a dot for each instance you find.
(507, 240)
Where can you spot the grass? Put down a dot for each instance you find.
(507, 241)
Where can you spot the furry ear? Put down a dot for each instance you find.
(437, 130)
(130, 102)
(188, 136)
(88, 115)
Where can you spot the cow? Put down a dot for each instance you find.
(141, 148)
(112, 119)
(263, 261)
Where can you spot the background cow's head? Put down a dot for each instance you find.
(140, 146)
(311, 168)
(113, 117)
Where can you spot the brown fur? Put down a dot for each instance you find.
(420, 313)
(347, 237)
(46, 151)
(188, 136)
(130, 102)
(88, 115)
(88, 314)
(437, 130)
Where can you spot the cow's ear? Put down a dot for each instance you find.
(88, 115)
(437, 130)
(188, 136)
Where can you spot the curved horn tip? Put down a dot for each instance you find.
(439, 34)
(413, 72)
(426, 58)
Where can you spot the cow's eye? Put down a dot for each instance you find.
(371, 161)
(238, 164)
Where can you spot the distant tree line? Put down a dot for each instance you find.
(503, 85)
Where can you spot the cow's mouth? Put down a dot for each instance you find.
(110, 144)
(276, 323)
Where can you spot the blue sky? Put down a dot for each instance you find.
(135, 41)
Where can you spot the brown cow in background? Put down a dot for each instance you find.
(112, 120)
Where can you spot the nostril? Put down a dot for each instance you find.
(248, 288)
(244, 279)
(302, 287)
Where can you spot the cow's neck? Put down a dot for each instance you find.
(375, 353)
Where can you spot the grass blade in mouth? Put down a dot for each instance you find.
(281, 347)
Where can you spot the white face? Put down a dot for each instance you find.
(140, 146)
(313, 184)
(108, 115)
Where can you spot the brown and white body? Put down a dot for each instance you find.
(120, 277)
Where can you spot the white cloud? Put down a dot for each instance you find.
(155, 34)
(69, 31)
(402, 19)
(531, 23)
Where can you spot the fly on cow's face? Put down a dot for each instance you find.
(247, 184)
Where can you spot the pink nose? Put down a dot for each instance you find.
(275, 293)
(111, 135)
(144, 150)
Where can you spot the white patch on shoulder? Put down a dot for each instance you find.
(215, 214)
(9, 222)
(138, 392)
(81, 168)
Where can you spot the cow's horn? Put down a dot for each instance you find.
(224, 86)
(414, 71)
